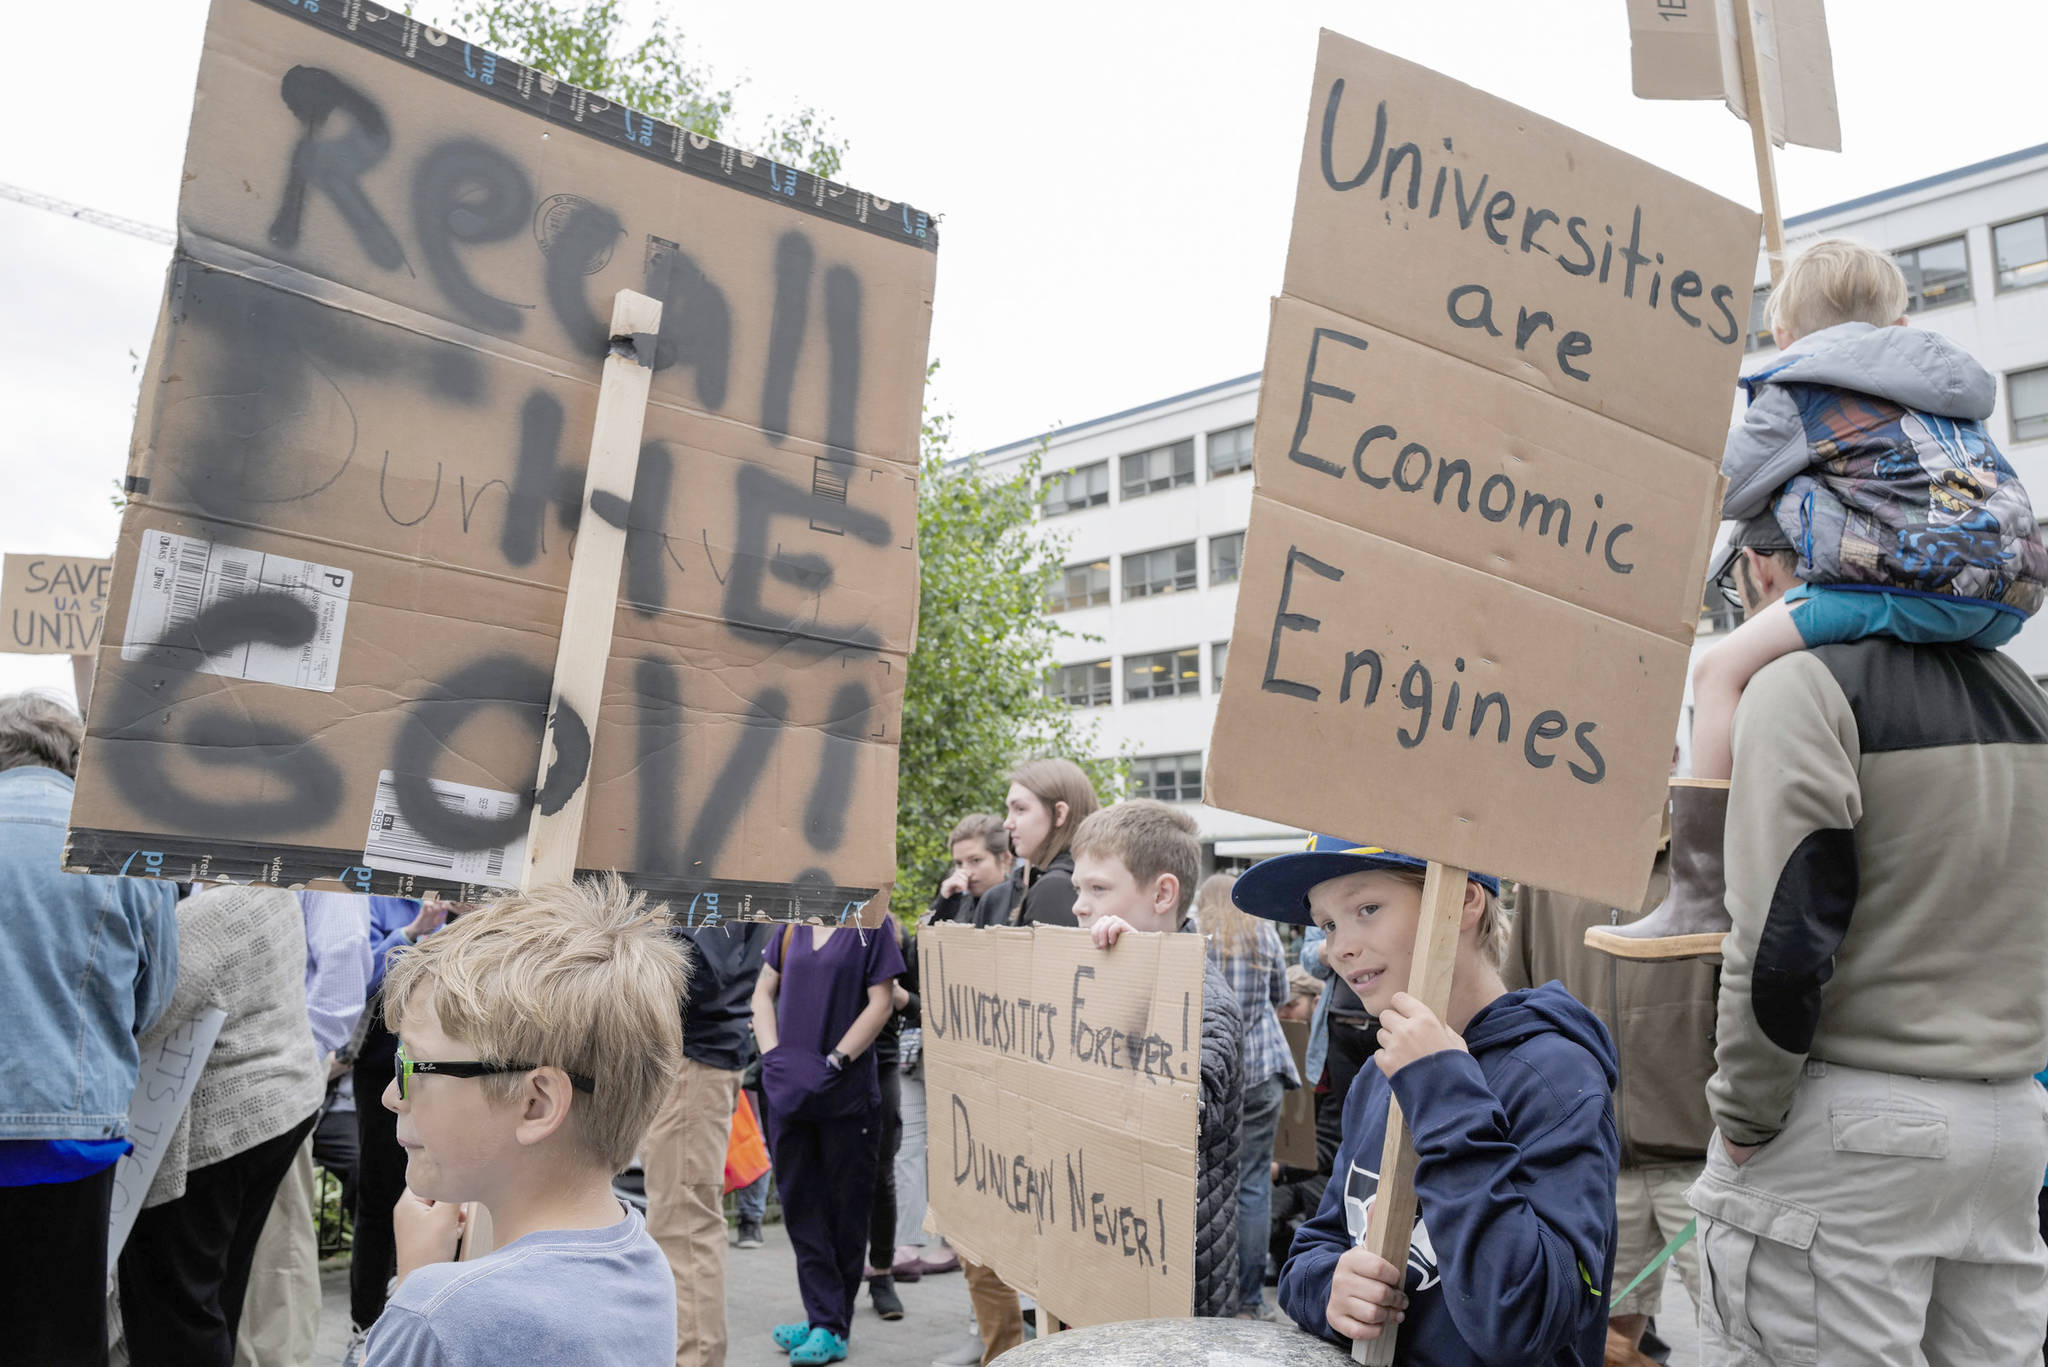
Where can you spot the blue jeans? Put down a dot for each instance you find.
(1255, 1187)
(753, 1200)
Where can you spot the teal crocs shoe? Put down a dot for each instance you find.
(821, 1347)
(790, 1337)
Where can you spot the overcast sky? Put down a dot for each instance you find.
(1115, 178)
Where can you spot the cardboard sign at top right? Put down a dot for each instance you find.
(1467, 224)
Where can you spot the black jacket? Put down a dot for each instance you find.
(1218, 1146)
(718, 1013)
(1049, 898)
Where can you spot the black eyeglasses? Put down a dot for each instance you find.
(408, 1066)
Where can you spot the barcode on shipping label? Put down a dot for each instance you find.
(180, 577)
(395, 846)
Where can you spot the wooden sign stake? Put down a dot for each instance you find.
(1392, 1226)
(1760, 139)
(591, 605)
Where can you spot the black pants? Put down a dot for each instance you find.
(882, 1223)
(380, 1179)
(1350, 1046)
(335, 1145)
(186, 1266)
(53, 1271)
(825, 1172)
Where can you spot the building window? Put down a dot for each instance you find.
(1069, 491)
(1219, 655)
(1170, 569)
(2027, 395)
(1758, 338)
(1226, 558)
(1168, 778)
(2022, 252)
(1230, 451)
(1080, 586)
(1169, 674)
(1161, 468)
(1082, 685)
(1937, 274)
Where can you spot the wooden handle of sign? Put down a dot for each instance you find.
(556, 830)
(1429, 981)
(1048, 1323)
(1760, 138)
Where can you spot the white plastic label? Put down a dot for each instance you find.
(395, 846)
(180, 577)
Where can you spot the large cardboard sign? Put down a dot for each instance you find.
(1685, 50)
(53, 604)
(1063, 1090)
(1487, 455)
(358, 461)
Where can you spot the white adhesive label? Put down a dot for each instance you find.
(180, 577)
(394, 845)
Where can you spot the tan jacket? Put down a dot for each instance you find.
(1665, 1011)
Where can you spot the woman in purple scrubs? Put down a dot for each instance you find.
(823, 996)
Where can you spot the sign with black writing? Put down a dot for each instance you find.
(167, 1075)
(1686, 50)
(1487, 456)
(54, 604)
(1063, 1094)
(359, 463)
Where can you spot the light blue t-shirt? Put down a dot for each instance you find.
(566, 1297)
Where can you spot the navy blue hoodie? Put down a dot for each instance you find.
(1516, 1160)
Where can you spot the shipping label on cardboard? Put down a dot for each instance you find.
(1495, 394)
(1063, 1086)
(54, 604)
(379, 355)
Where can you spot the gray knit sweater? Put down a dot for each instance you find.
(243, 950)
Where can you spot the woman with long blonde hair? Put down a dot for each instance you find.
(1247, 951)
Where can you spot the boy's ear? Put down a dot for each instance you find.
(1475, 906)
(1166, 895)
(544, 1103)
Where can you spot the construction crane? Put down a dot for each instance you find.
(148, 232)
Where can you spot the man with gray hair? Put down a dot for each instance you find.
(87, 964)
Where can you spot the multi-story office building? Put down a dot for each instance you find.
(1152, 501)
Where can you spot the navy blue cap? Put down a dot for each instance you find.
(1278, 888)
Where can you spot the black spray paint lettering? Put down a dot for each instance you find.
(572, 758)
(334, 162)
(465, 192)
(765, 498)
(429, 729)
(696, 322)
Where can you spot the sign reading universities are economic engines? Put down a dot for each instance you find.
(358, 463)
(1487, 455)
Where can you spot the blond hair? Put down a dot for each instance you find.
(1492, 931)
(1837, 281)
(1148, 838)
(1235, 934)
(1052, 780)
(578, 976)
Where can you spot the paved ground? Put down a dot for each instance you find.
(760, 1292)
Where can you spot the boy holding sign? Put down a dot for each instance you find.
(1507, 1098)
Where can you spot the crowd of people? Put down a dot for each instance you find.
(1815, 1043)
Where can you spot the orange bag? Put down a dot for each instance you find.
(746, 1152)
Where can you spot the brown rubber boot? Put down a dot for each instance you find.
(1690, 921)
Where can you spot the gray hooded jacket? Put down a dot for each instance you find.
(1876, 438)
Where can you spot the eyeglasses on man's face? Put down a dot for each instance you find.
(407, 1066)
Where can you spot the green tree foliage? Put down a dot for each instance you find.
(975, 702)
(590, 47)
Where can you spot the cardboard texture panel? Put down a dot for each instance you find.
(1462, 222)
(358, 465)
(1063, 1085)
(1374, 431)
(1686, 50)
(54, 604)
(1294, 1144)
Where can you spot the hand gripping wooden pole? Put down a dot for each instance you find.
(1760, 138)
(556, 830)
(1429, 981)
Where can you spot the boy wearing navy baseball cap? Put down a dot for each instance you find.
(1508, 1100)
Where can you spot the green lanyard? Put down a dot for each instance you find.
(1678, 1241)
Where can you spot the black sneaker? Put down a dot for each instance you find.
(882, 1290)
(750, 1234)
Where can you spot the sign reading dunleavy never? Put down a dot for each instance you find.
(358, 467)
(1487, 454)
(1063, 1089)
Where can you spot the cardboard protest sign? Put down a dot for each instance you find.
(359, 460)
(164, 1083)
(1686, 50)
(1294, 1144)
(1063, 1090)
(53, 604)
(1487, 455)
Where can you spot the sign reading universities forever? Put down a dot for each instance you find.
(1495, 394)
(359, 459)
(1063, 1094)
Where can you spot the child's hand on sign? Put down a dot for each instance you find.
(1365, 1295)
(1409, 1031)
(1107, 928)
